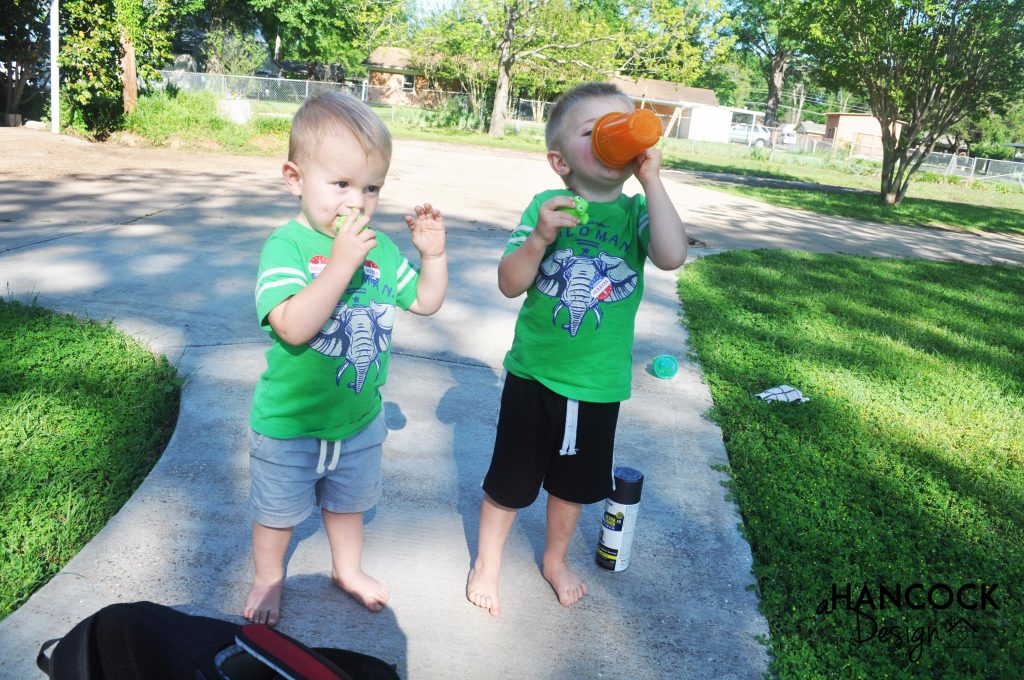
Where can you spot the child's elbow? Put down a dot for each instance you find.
(290, 337)
(505, 284)
(669, 261)
(426, 307)
(674, 263)
(508, 290)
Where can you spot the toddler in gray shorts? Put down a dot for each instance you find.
(327, 290)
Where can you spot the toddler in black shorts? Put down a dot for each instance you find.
(570, 364)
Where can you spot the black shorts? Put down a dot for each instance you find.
(531, 427)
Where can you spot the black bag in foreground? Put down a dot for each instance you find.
(147, 641)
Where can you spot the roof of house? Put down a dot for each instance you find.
(390, 57)
(812, 128)
(665, 91)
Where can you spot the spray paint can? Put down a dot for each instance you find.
(618, 522)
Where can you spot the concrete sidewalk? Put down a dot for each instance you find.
(170, 256)
(172, 260)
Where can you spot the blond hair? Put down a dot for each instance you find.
(564, 105)
(327, 114)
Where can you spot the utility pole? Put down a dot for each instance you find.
(54, 69)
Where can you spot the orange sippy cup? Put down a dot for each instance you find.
(618, 138)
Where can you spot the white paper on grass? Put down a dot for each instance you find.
(783, 393)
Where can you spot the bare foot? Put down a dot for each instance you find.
(482, 589)
(363, 589)
(264, 604)
(568, 586)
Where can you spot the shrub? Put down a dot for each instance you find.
(995, 150)
(456, 113)
(163, 114)
(276, 125)
(759, 153)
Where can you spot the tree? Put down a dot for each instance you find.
(97, 39)
(529, 32)
(528, 45)
(453, 47)
(324, 32)
(987, 131)
(925, 64)
(230, 52)
(733, 79)
(24, 44)
(128, 14)
(673, 40)
(772, 30)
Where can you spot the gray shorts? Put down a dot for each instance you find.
(285, 484)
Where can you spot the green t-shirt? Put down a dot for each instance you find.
(574, 333)
(328, 388)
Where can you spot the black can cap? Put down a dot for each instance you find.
(629, 483)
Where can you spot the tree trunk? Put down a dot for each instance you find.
(497, 128)
(14, 89)
(890, 159)
(844, 100)
(129, 76)
(505, 61)
(800, 98)
(775, 74)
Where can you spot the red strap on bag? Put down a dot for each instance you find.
(289, 657)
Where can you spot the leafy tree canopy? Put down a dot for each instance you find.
(91, 34)
(924, 64)
(321, 32)
(24, 45)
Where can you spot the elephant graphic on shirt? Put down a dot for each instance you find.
(581, 283)
(360, 335)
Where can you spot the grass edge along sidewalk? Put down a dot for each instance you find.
(905, 467)
(85, 412)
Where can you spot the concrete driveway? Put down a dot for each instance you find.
(166, 245)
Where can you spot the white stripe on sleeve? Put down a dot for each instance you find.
(410, 274)
(277, 271)
(301, 283)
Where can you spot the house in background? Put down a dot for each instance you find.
(811, 129)
(391, 77)
(860, 131)
(686, 112)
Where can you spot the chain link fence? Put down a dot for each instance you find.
(974, 169)
(255, 88)
(436, 108)
(397, 104)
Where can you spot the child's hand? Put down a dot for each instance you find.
(647, 166)
(551, 220)
(353, 241)
(427, 230)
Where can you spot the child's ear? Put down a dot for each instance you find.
(558, 163)
(292, 178)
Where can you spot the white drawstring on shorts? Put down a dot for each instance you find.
(323, 457)
(572, 412)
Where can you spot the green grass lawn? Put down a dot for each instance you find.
(914, 211)
(907, 465)
(84, 414)
(930, 201)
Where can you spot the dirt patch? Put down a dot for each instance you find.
(42, 155)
